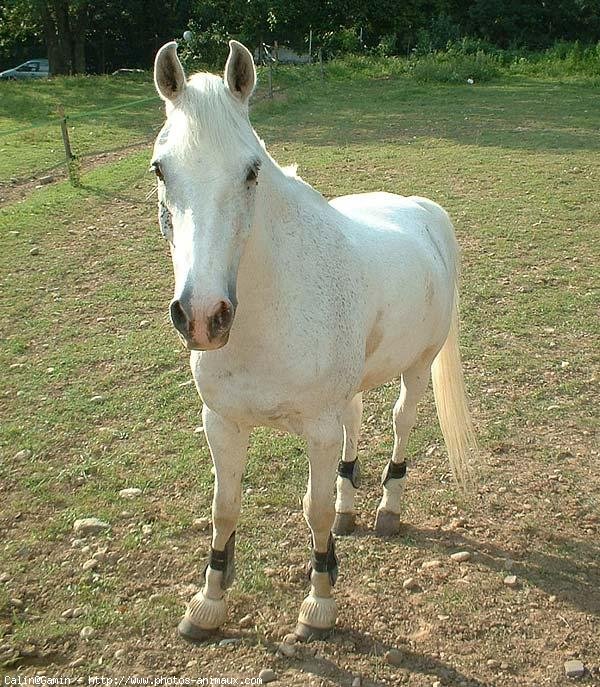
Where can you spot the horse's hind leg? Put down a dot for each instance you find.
(413, 386)
(348, 470)
(228, 445)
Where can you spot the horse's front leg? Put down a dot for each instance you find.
(228, 444)
(318, 611)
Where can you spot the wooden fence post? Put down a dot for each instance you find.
(72, 166)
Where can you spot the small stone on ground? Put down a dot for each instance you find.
(130, 493)
(89, 526)
(201, 523)
(574, 668)
(410, 584)
(461, 556)
(86, 632)
(511, 581)
(285, 649)
(394, 657)
(267, 675)
(230, 641)
(24, 454)
(246, 621)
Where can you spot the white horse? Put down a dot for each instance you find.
(292, 307)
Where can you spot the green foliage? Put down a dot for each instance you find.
(74, 170)
(208, 48)
(340, 42)
(532, 24)
(127, 33)
(562, 60)
(448, 67)
(439, 32)
(387, 46)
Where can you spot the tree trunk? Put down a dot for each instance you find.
(61, 16)
(78, 25)
(55, 56)
(64, 33)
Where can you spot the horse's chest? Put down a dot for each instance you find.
(271, 392)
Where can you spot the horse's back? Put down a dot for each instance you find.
(388, 211)
(390, 229)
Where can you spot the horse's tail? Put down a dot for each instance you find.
(451, 402)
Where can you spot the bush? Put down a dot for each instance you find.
(440, 32)
(341, 42)
(454, 68)
(561, 60)
(347, 68)
(387, 46)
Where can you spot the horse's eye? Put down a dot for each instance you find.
(155, 167)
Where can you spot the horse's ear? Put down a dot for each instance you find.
(240, 74)
(169, 77)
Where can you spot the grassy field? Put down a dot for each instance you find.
(104, 114)
(95, 397)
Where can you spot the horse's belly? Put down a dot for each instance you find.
(390, 361)
(402, 336)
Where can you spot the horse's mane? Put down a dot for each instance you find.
(214, 113)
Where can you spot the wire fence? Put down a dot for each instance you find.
(45, 145)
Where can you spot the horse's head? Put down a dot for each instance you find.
(207, 161)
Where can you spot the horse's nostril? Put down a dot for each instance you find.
(179, 317)
(220, 321)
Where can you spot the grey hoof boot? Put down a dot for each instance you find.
(305, 633)
(344, 524)
(387, 523)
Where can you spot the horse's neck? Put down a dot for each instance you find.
(290, 218)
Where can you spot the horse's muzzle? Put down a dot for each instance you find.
(206, 332)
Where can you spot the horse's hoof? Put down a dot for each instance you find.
(305, 633)
(193, 633)
(202, 618)
(344, 524)
(387, 523)
(317, 617)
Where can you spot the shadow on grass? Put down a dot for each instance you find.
(515, 115)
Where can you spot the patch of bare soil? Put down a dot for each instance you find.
(19, 189)
(465, 624)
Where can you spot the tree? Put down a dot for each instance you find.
(65, 23)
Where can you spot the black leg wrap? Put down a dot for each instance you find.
(224, 561)
(324, 562)
(351, 471)
(394, 471)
